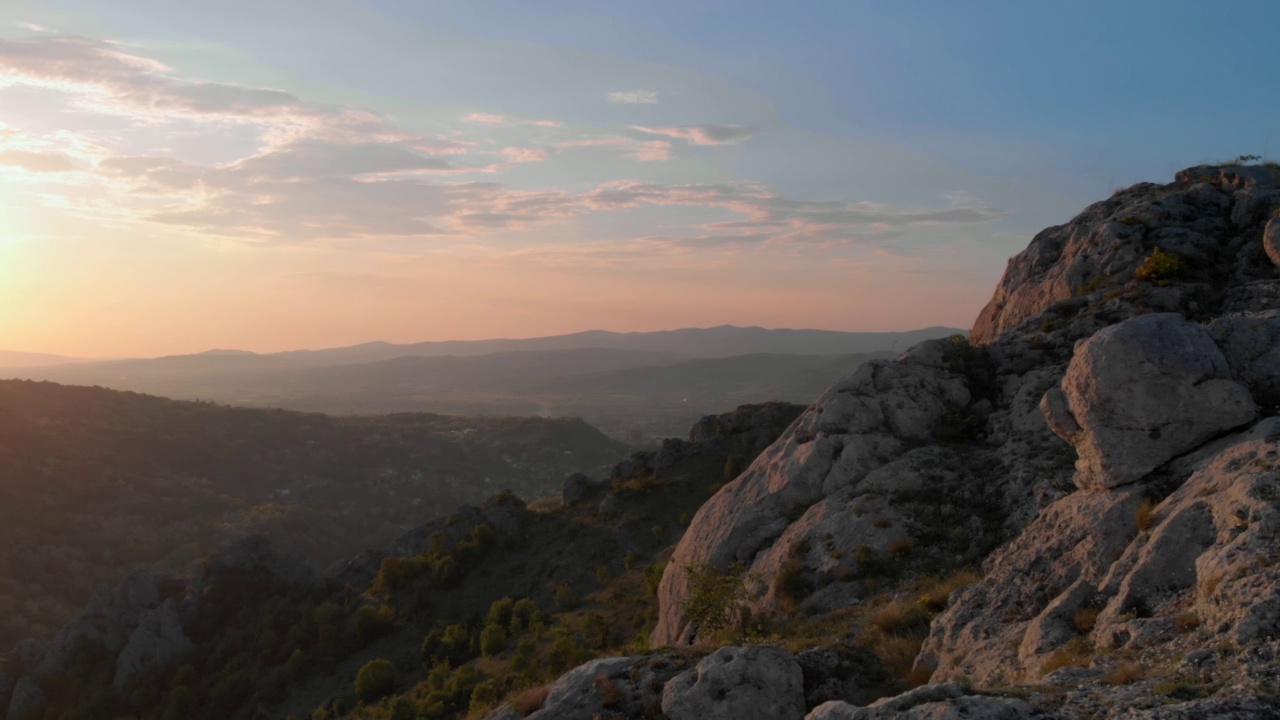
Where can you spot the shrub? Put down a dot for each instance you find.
(374, 622)
(565, 652)
(375, 680)
(501, 611)
(493, 640)
(564, 597)
(1160, 268)
(733, 467)
(525, 611)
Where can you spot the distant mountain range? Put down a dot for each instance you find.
(13, 358)
(633, 385)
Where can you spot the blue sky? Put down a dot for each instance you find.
(285, 173)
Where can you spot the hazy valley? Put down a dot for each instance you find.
(639, 387)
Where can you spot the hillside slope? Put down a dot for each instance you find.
(95, 482)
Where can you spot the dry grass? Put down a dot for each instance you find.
(530, 701)
(900, 548)
(1074, 654)
(1145, 514)
(1126, 674)
(1212, 584)
(897, 617)
(1186, 622)
(936, 591)
(610, 696)
(1085, 618)
(898, 653)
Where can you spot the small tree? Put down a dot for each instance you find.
(716, 598)
(375, 680)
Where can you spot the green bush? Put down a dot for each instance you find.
(375, 680)
(1160, 268)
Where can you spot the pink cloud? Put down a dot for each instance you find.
(703, 134)
(548, 123)
(642, 150)
(524, 155)
(650, 151)
(484, 119)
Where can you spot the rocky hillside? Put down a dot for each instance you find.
(254, 631)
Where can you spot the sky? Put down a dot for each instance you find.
(284, 174)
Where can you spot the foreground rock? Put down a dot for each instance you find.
(738, 683)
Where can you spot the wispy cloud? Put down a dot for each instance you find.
(106, 77)
(634, 97)
(703, 134)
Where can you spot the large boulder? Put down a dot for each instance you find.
(738, 683)
(619, 687)
(1141, 392)
(1271, 240)
(863, 421)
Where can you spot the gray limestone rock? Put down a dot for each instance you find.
(1143, 392)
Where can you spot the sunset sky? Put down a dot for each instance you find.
(279, 174)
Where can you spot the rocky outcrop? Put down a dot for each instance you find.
(1141, 392)
(158, 642)
(1211, 218)
(744, 432)
(738, 683)
(930, 702)
(141, 626)
(575, 489)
